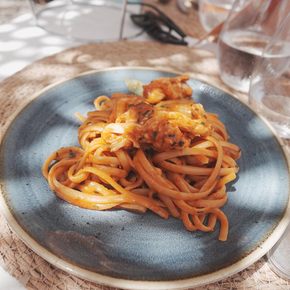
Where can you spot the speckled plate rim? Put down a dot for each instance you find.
(240, 265)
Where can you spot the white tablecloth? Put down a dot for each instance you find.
(21, 43)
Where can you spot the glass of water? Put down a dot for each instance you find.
(246, 32)
(270, 96)
(270, 83)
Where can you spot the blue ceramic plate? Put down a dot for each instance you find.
(131, 250)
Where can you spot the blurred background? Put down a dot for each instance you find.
(12, 8)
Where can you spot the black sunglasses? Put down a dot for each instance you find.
(158, 25)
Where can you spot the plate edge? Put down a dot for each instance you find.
(260, 251)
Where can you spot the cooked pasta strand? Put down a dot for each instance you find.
(160, 151)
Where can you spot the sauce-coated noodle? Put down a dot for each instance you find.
(159, 151)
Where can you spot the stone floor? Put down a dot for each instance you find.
(11, 8)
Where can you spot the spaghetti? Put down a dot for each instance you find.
(159, 151)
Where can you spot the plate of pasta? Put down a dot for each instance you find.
(144, 179)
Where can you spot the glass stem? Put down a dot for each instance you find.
(124, 11)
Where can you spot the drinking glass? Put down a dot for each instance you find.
(270, 83)
(246, 32)
(88, 20)
(270, 95)
(278, 256)
(212, 12)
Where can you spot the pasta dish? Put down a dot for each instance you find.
(154, 149)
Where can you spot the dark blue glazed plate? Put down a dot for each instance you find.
(126, 249)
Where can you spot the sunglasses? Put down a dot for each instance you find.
(158, 25)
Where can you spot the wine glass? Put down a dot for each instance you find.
(212, 12)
